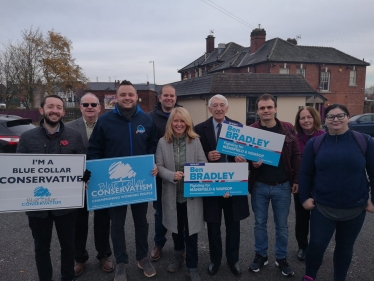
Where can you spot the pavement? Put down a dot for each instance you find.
(17, 254)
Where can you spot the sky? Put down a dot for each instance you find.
(117, 39)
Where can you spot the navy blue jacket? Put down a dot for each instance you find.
(336, 176)
(115, 136)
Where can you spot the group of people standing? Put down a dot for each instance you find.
(329, 183)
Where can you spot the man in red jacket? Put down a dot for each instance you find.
(269, 183)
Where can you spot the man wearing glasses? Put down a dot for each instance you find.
(269, 183)
(90, 108)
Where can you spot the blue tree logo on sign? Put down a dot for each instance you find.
(41, 192)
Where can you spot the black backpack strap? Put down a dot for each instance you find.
(317, 143)
(362, 141)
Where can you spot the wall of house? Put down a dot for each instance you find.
(237, 108)
(340, 90)
(287, 108)
(196, 107)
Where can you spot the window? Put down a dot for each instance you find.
(284, 70)
(301, 71)
(325, 82)
(352, 78)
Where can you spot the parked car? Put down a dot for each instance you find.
(11, 127)
(363, 123)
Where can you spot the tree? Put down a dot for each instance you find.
(59, 67)
(38, 63)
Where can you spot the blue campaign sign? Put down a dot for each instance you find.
(251, 143)
(120, 181)
(215, 179)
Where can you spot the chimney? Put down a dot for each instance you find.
(258, 37)
(209, 44)
(292, 41)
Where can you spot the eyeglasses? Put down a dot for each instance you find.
(340, 117)
(86, 104)
(270, 107)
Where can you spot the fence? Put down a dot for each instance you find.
(34, 115)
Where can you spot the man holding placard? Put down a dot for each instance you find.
(234, 208)
(273, 183)
(126, 131)
(52, 137)
(90, 108)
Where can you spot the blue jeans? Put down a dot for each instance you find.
(321, 232)
(280, 197)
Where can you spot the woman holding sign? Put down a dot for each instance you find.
(334, 185)
(182, 216)
(307, 125)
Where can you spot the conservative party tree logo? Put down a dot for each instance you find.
(42, 196)
(41, 192)
(122, 181)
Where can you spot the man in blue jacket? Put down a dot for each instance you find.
(126, 131)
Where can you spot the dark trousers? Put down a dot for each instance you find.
(160, 229)
(42, 233)
(183, 238)
(232, 235)
(101, 234)
(118, 218)
(321, 232)
(302, 223)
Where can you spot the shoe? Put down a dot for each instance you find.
(301, 254)
(213, 268)
(149, 269)
(307, 278)
(156, 253)
(285, 267)
(177, 262)
(193, 275)
(79, 268)
(258, 262)
(120, 274)
(106, 264)
(235, 268)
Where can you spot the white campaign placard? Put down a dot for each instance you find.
(30, 182)
(251, 143)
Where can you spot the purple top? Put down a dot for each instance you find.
(303, 138)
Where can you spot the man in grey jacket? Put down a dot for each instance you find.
(47, 139)
(90, 108)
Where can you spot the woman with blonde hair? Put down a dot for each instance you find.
(182, 216)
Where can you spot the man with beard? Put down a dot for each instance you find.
(160, 115)
(126, 131)
(90, 108)
(47, 139)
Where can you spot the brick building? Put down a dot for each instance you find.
(339, 77)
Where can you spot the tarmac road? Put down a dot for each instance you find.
(17, 254)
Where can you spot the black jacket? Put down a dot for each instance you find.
(160, 119)
(212, 212)
(36, 141)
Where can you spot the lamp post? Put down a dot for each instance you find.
(154, 74)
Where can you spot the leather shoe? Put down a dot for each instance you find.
(301, 254)
(79, 268)
(235, 268)
(106, 264)
(213, 268)
(156, 253)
